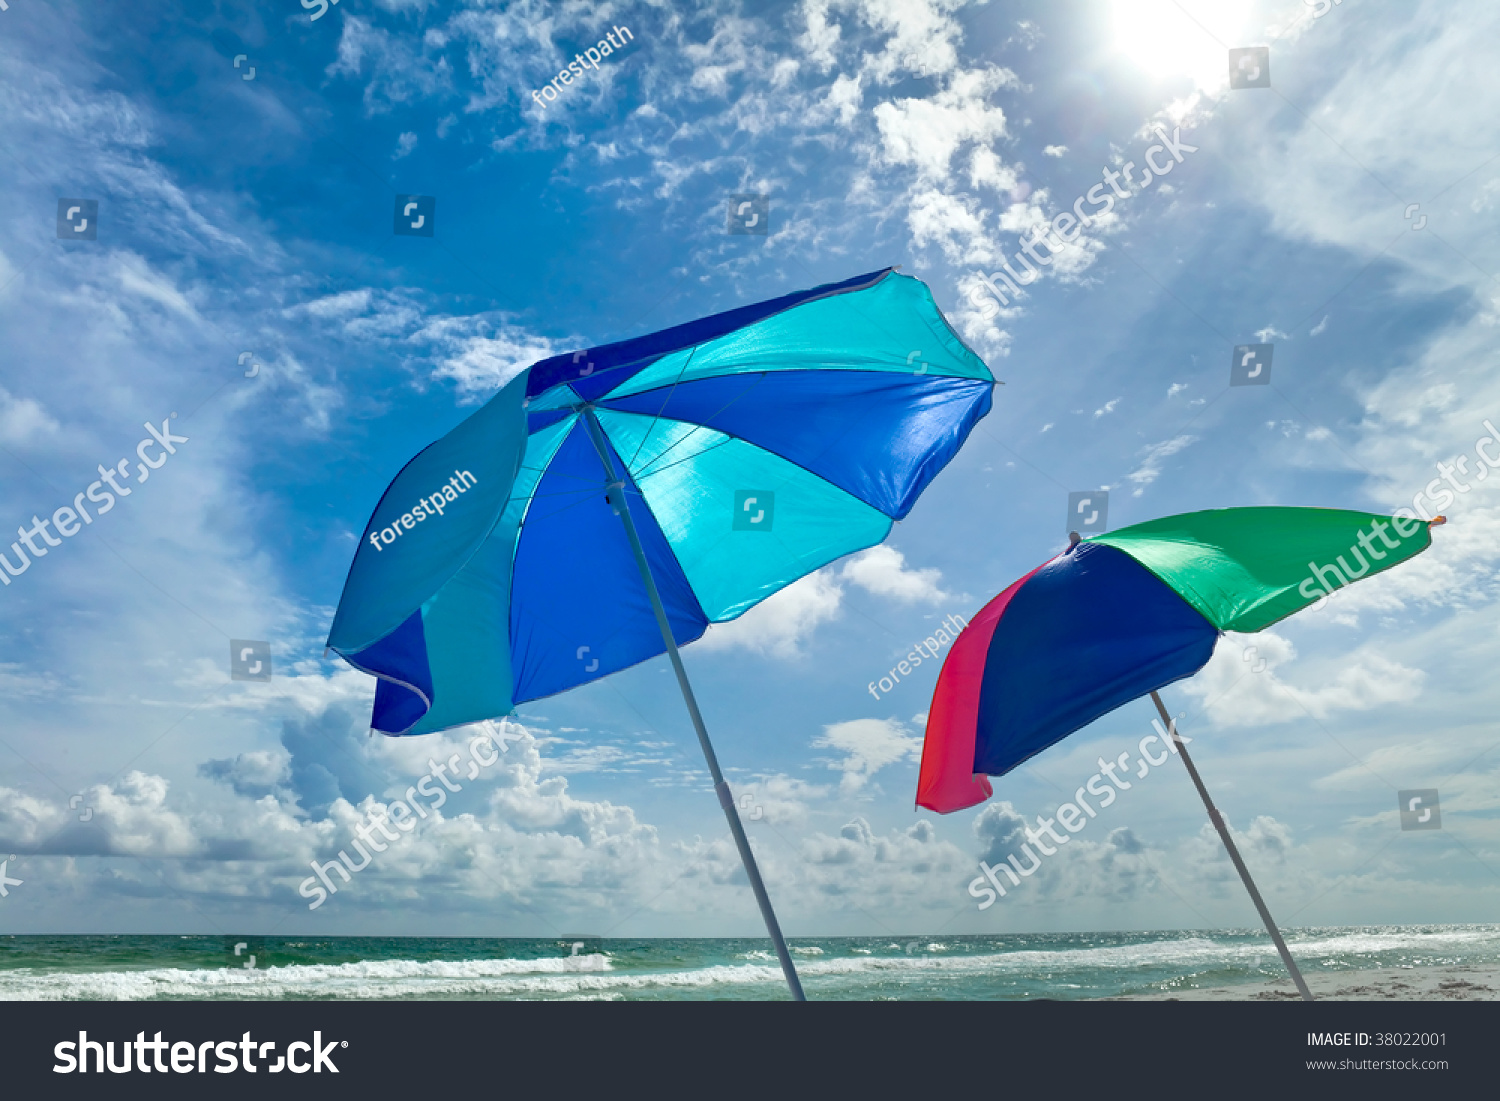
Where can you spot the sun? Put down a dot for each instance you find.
(1167, 38)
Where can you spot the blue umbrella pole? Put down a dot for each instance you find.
(1234, 854)
(721, 787)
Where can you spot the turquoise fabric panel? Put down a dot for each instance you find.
(893, 326)
(444, 525)
(467, 624)
(697, 483)
(468, 641)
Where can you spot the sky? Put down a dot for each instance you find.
(246, 162)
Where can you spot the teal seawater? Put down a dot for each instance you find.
(1066, 966)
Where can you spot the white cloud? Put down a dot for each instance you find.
(1152, 459)
(780, 624)
(869, 745)
(1235, 694)
(927, 133)
(882, 570)
(479, 354)
(844, 97)
(779, 800)
(22, 420)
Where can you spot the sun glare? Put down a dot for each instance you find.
(1165, 38)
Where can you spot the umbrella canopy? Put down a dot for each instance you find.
(752, 447)
(1120, 615)
(629, 495)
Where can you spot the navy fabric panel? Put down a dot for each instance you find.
(1091, 630)
(877, 435)
(535, 422)
(400, 656)
(599, 370)
(397, 709)
(579, 609)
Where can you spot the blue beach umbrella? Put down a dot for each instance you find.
(607, 505)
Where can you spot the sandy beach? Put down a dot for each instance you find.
(1459, 982)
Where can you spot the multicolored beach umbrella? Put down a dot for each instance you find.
(1119, 615)
(1122, 615)
(609, 504)
(753, 447)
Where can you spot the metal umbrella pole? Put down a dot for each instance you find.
(721, 787)
(1234, 854)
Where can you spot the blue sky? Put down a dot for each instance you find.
(256, 215)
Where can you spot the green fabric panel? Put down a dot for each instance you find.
(892, 326)
(1246, 568)
(467, 622)
(690, 477)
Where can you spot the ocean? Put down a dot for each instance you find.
(1063, 966)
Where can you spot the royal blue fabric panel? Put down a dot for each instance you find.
(400, 656)
(599, 370)
(579, 609)
(1090, 631)
(876, 435)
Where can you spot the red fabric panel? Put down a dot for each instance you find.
(947, 781)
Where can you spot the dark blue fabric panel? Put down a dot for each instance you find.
(397, 709)
(400, 656)
(599, 370)
(579, 609)
(535, 422)
(1090, 631)
(878, 435)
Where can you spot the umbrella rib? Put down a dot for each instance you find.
(646, 470)
(670, 391)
